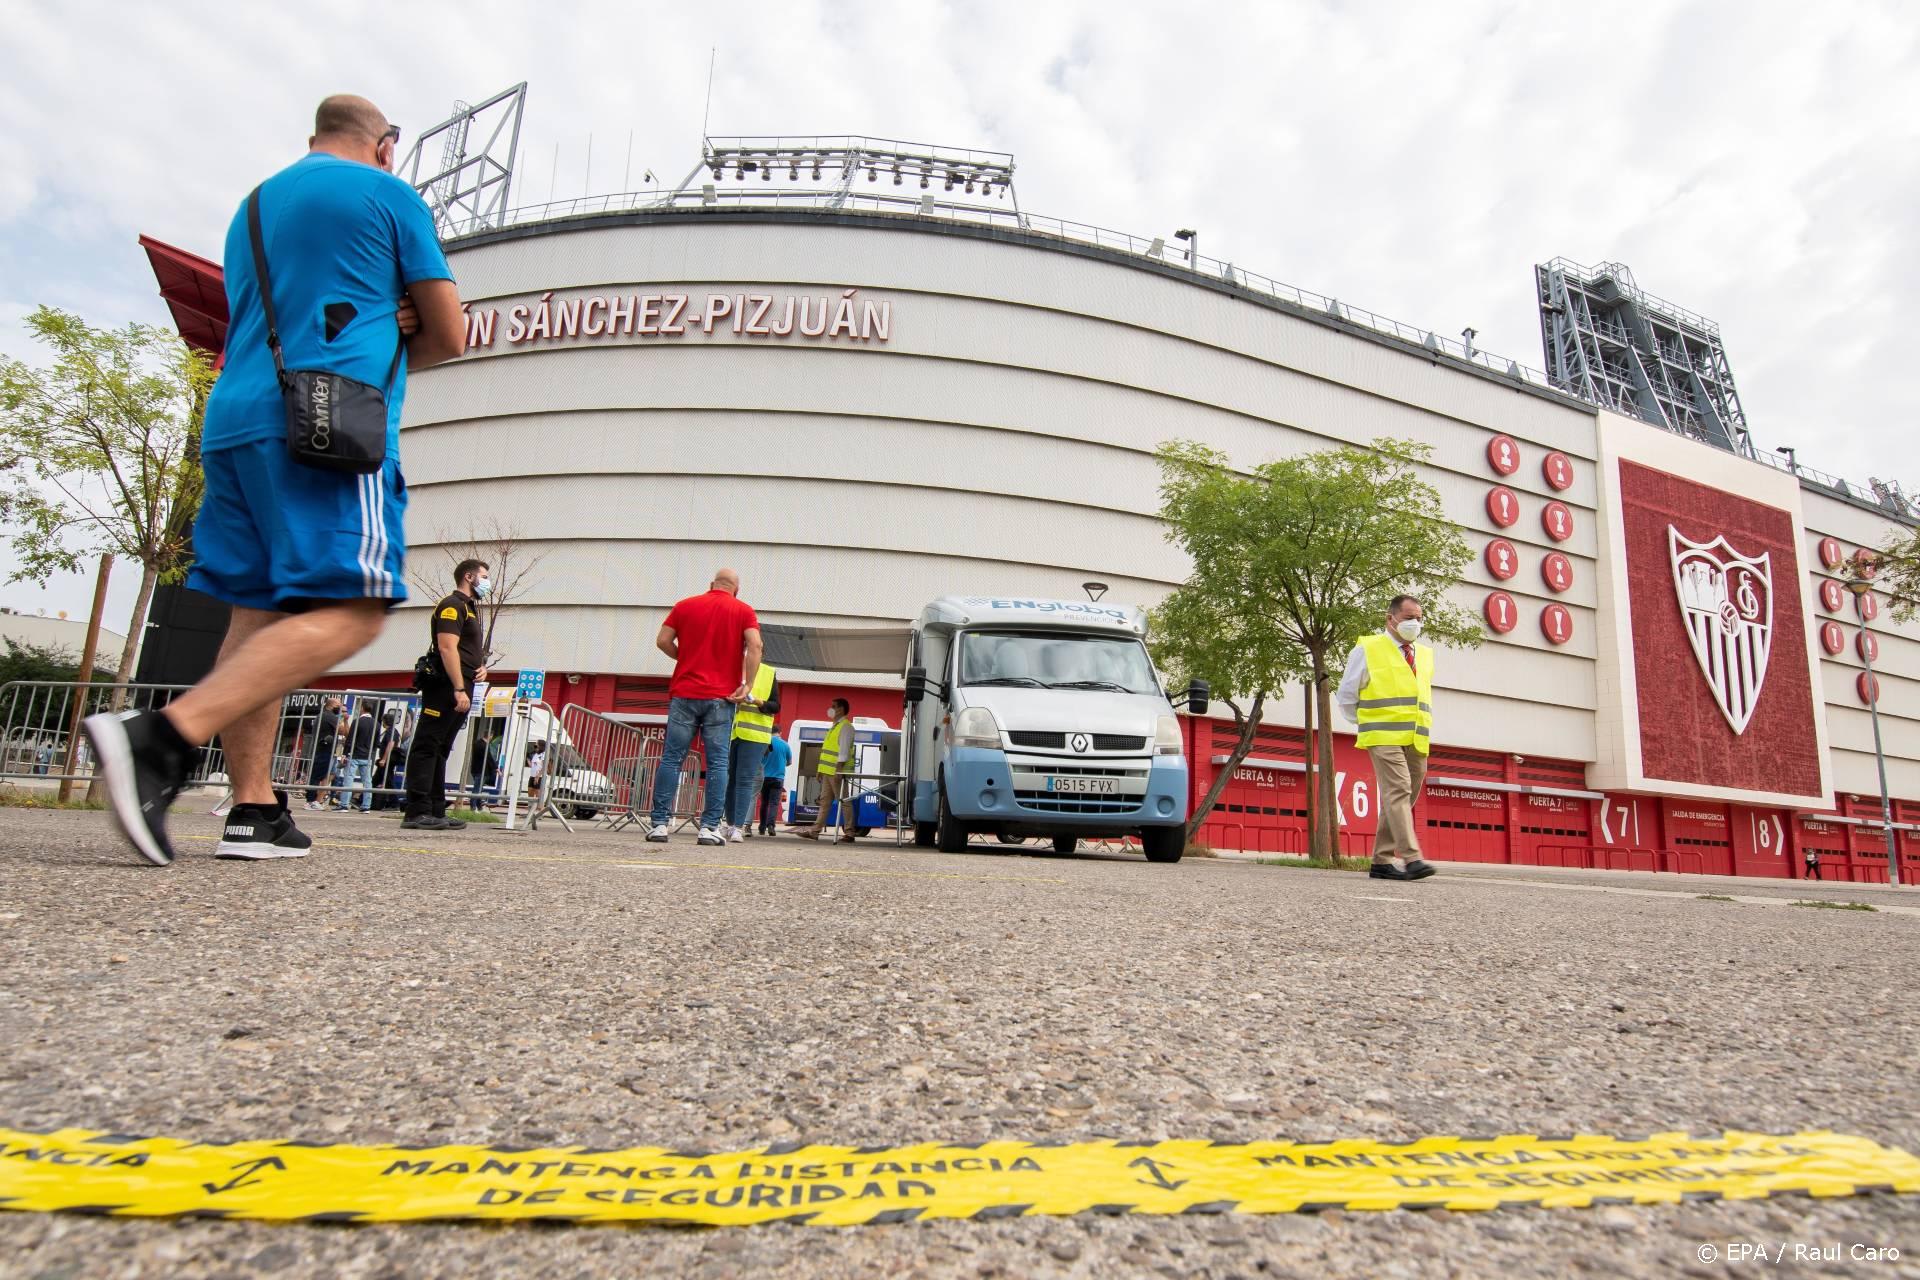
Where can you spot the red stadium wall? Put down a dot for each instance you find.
(1479, 806)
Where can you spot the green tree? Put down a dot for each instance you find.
(1207, 632)
(1295, 560)
(54, 662)
(1895, 569)
(100, 451)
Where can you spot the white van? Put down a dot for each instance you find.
(1041, 718)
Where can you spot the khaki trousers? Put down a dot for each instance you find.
(832, 786)
(1400, 773)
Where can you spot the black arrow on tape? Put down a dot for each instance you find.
(240, 1179)
(1153, 1170)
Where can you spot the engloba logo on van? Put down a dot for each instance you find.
(1047, 606)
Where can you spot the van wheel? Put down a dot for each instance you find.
(1164, 844)
(923, 834)
(1065, 844)
(949, 835)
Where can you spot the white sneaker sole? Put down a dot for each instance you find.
(248, 851)
(115, 756)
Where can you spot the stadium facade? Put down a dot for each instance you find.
(864, 409)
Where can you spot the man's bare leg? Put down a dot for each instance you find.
(264, 657)
(248, 741)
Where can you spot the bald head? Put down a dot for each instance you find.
(348, 126)
(727, 580)
(349, 115)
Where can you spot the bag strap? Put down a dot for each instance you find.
(265, 282)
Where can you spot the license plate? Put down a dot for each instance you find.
(1084, 786)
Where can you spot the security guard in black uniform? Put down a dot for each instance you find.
(446, 676)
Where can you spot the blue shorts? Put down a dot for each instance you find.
(275, 535)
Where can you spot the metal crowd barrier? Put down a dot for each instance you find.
(40, 748)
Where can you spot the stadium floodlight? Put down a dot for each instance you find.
(977, 171)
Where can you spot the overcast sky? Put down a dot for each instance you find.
(1757, 161)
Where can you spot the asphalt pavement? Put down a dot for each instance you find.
(547, 989)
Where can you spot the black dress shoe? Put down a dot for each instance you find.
(1419, 869)
(1387, 871)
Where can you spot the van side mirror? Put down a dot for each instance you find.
(916, 685)
(1199, 697)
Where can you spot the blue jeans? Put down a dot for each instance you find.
(744, 770)
(360, 776)
(713, 719)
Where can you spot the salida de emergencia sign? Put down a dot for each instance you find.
(841, 315)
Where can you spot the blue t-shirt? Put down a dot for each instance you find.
(778, 756)
(343, 241)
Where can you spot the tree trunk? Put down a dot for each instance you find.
(129, 654)
(136, 629)
(1306, 754)
(1329, 806)
(1249, 725)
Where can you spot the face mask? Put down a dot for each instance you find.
(1409, 629)
(481, 586)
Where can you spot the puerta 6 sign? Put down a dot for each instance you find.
(1726, 601)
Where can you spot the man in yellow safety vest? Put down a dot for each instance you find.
(1388, 693)
(836, 762)
(752, 731)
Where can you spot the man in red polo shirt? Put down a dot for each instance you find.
(714, 641)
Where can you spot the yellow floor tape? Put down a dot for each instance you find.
(77, 1171)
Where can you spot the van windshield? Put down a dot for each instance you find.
(1050, 660)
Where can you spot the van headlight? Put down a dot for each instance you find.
(975, 727)
(1166, 736)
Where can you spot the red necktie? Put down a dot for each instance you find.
(1408, 650)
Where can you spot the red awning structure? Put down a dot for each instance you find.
(195, 291)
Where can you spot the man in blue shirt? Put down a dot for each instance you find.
(310, 560)
(774, 783)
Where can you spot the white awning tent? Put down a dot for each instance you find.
(840, 650)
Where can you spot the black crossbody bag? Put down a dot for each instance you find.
(333, 423)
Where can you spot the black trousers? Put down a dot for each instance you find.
(427, 759)
(770, 791)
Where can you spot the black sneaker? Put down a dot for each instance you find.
(1420, 869)
(256, 832)
(423, 822)
(453, 824)
(1387, 871)
(143, 761)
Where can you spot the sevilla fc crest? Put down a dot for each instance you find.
(1726, 600)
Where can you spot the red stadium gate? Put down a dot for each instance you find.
(1700, 826)
(1760, 843)
(1543, 821)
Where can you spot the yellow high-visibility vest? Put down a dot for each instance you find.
(756, 726)
(830, 747)
(1396, 702)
